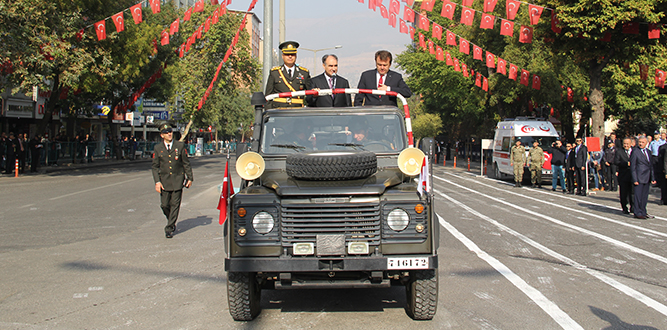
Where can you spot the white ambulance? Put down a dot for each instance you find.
(526, 130)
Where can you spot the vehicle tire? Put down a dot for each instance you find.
(243, 296)
(346, 165)
(422, 294)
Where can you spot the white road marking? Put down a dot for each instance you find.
(28, 205)
(567, 208)
(91, 189)
(564, 320)
(602, 277)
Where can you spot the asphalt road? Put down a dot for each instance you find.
(85, 249)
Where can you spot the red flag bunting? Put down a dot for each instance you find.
(467, 15)
(570, 95)
(464, 46)
(155, 6)
(439, 54)
(555, 22)
(451, 38)
(524, 77)
(119, 21)
(392, 19)
(408, 15)
(79, 35)
(464, 69)
(485, 84)
(427, 5)
(173, 28)
(457, 68)
(423, 22)
(535, 13)
(199, 31)
(207, 24)
(537, 82)
(487, 21)
(431, 50)
(490, 60)
(448, 59)
(101, 30)
(181, 50)
(383, 11)
(164, 40)
(467, 3)
(506, 27)
(136, 13)
(448, 9)
(476, 52)
(402, 27)
(422, 41)
(631, 28)
(526, 35)
(511, 8)
(654, 31)
(659, 78)
(214, 2)
(513, 71)
(199, 6)
(395, 7)
(643, 71)
(478, 80)
(372, 4)
(502, 66)
(489, 5)
(411, 30)
(186, 16)
(437, 31)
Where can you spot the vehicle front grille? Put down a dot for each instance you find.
(359, 222)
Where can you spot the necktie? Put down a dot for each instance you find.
(645, 154)
(331, 85)
(381, 81)
(168, 147)
(289, 72)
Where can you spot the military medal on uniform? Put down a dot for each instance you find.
(176, 150)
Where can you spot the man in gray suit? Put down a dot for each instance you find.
(642, 176)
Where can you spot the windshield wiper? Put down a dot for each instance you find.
(346, 144)
(289, 146)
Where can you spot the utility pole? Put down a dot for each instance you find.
(281, 22)
(267, 56)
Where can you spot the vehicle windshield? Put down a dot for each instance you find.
(372, 132)
(527, 141)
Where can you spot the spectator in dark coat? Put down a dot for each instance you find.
(622, 161)
(557, 151)
(642, 176)
(610, 166)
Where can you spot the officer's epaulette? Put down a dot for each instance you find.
(275, 68)
(302, 68)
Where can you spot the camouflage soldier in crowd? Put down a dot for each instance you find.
(536, 155)
(518, 160)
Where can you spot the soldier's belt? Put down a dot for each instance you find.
(288, 100)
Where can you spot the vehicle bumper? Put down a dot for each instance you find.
(271, 265)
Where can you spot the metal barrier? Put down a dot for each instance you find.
(54, 152)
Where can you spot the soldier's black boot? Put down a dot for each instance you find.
(516, 184)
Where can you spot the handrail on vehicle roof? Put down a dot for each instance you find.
(323, 92)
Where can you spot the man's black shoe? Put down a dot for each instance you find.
(640, 216)
(553, 189)
(626, 212)
(169, 234)
(648, 216)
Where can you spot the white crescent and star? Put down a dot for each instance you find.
(100, 27)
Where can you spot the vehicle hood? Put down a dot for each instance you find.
(376, 184)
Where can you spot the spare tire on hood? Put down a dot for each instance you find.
(331, 165)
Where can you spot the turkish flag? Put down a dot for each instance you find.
(506, 27)
(422, 41)
(79, 35)
(535, 13)
(467, 3)
(181, 50)
(490, 60)
(472, 73)
(174, 27)
(428, 5)
(631, 28)
(464, 46)
(136, 13)
(547, 159)
(524, 77)
(606, 37)
(207, 24)
(372, 4)
(437, 31)
(431, 50)
(464, 69)
(411, 30)
(155, 6)
(570, 95)
(186, 16)
(214, 2)
(199, 31)
(467, 15)
(554, 23)
(457, 68)
(199, 6)
(119, 21)
(643, 71)
(395, 6)
(485, 84)
(451, 38)
(383, 11)
(448, 59)
(513, 71)
(659, 78)
(490, 5)
(476, 52)
(408, 15)
(478, 80)
(654, 31)
(502, 66)
(537, 82)
(409, 2)
(487, 21)
(392, 19)
(164, 39)
(402, 27)
(511, 8)
(423, 22)
(526, 35)
(448, 9)
(439, 54)
(101, 30)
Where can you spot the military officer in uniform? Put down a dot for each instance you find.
(171, 172)
(536, 155)
(288, 77)
(518, 160)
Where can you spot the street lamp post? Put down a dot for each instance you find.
(315, 54)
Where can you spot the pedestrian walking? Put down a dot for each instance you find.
(642, 176)
(171, 172)
(622, 161)
(536, 156)
(518, 161)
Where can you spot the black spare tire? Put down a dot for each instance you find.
(331, 165)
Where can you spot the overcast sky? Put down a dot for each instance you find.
(317, 24)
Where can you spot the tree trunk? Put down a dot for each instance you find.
(596, 97)
(112, 129)
(187, 129)
(50, 106)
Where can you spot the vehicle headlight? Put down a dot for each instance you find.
(263, 222)
(398, 219)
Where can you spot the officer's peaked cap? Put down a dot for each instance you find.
(165, 128)
(289, 47)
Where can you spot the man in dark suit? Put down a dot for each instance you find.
(171, 172)
(329, 80)
(569, 168)
(383, 79)
(288, 77)
(580, 163)
(661, 173)
(622, 161)
(641, 169)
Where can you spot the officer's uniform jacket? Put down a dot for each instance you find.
(536, 155)
(279, 81)
(518, 155)
(171, 168)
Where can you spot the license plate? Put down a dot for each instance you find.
(407, 263)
